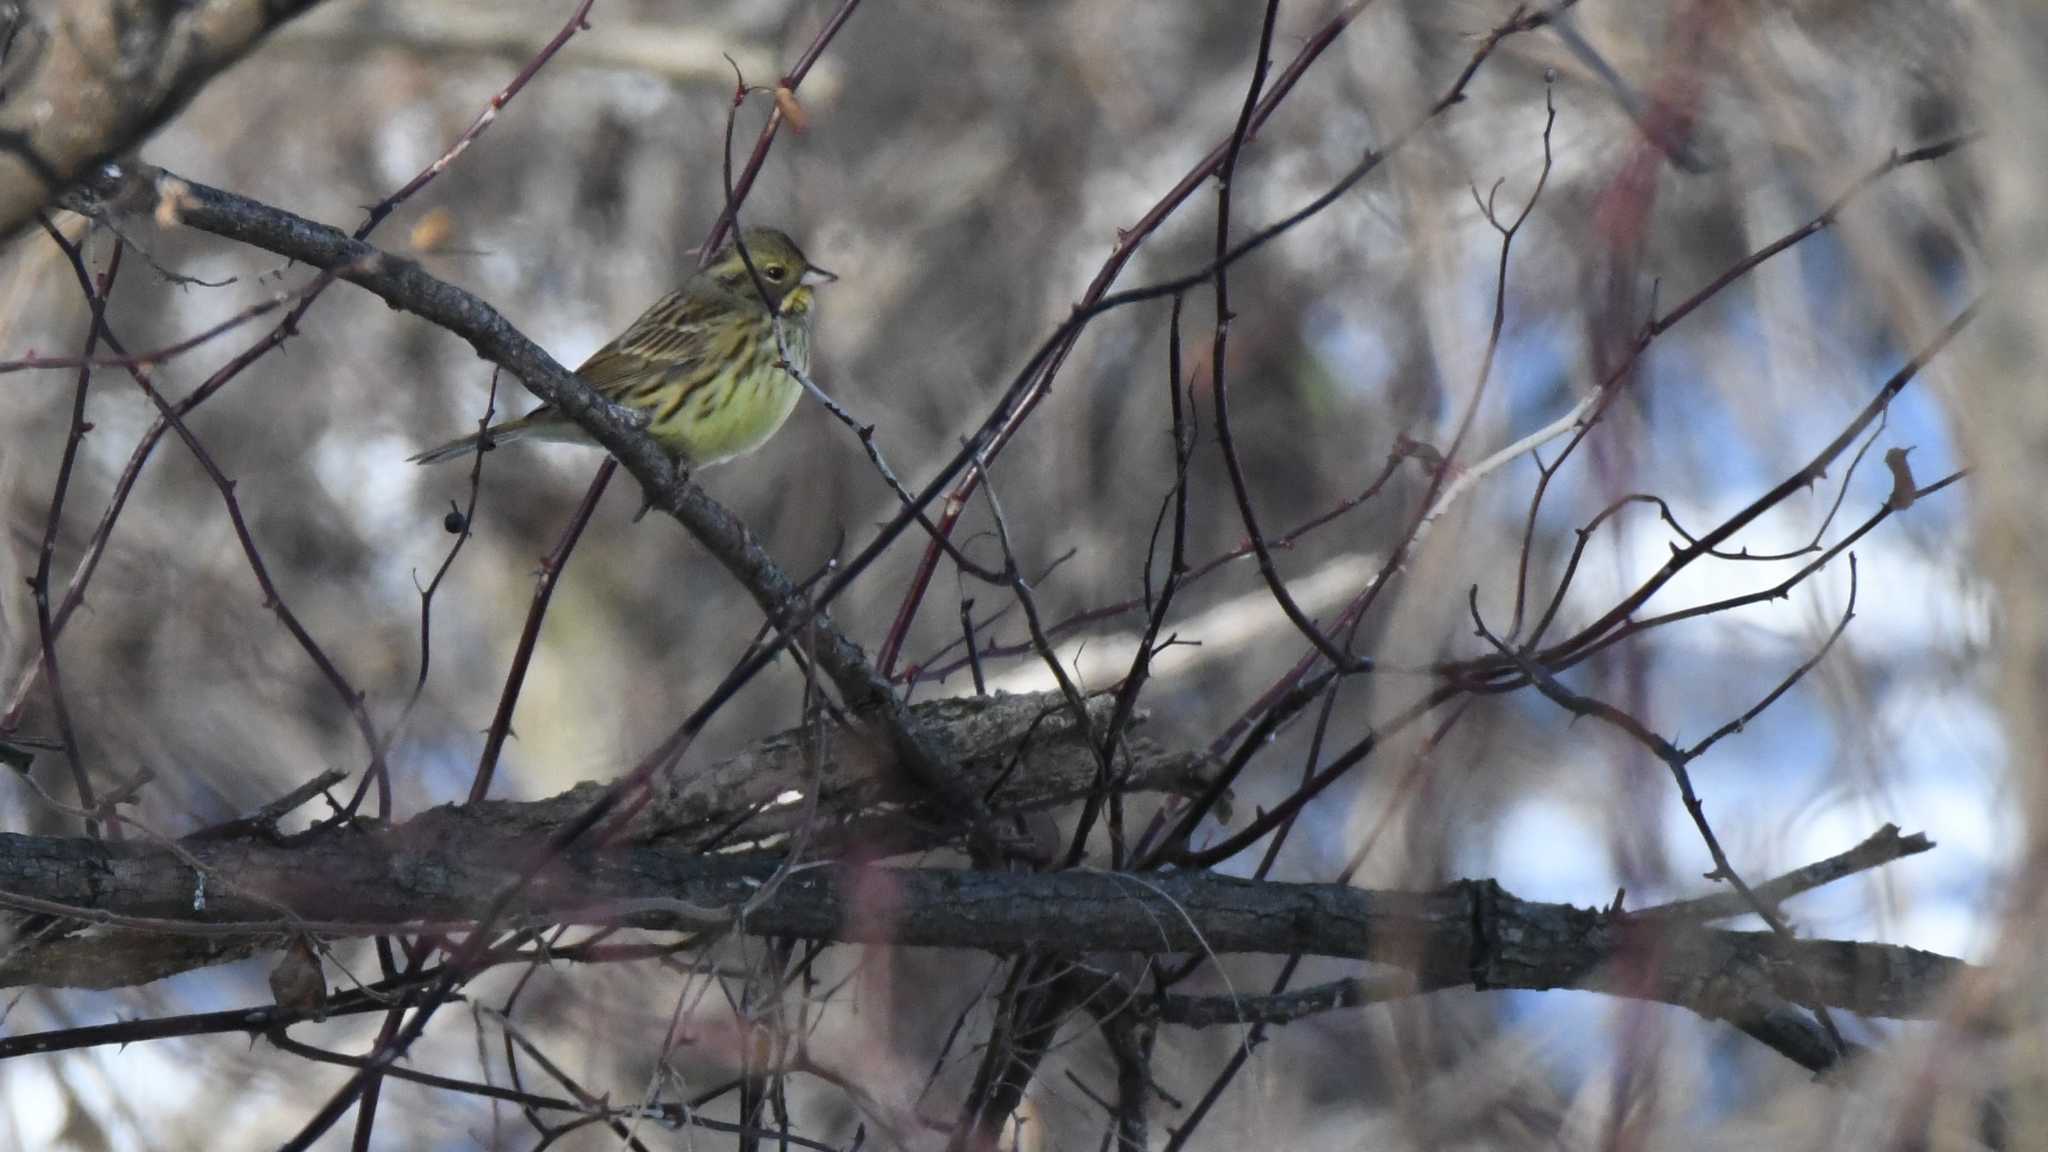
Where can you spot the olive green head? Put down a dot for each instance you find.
(786, 274)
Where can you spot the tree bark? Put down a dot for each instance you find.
(82, 81)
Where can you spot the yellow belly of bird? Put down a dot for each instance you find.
(731, 416)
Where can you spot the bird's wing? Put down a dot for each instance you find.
(671, 333)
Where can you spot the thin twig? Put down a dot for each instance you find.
(550, 572)
(39, 584)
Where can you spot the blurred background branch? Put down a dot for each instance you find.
(677, 53)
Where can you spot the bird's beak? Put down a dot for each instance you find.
(817, 275)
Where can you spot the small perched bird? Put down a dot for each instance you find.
(703, 364)
(1904, 490)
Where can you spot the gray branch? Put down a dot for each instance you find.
(446, 865)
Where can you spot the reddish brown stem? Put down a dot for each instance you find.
(529, 635)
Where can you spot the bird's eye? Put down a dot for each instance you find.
(775, 272)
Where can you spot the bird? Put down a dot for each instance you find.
(1904, 490)
(713, 366)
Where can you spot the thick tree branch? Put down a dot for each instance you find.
(448, 864)
(1025, 753)
(439, 872)
(85, 80)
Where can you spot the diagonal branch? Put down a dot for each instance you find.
(116, 189)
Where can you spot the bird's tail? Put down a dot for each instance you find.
(493, 436)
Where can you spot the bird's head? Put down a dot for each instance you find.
(786, 274)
